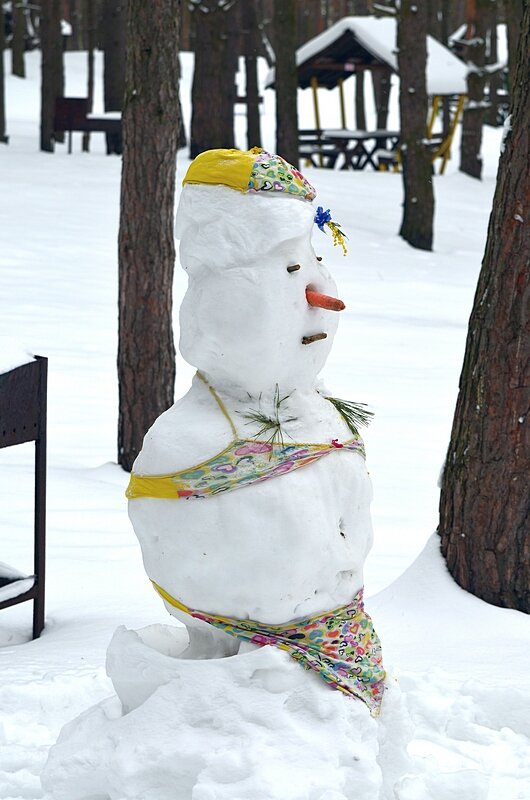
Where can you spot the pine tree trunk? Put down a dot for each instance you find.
(18, 66)
(181, 136)
(114, 21)
(3, 135)
(381, 80)
(473, 116)
(418, 206)
(52, 76)
(514, 20)
(251, 51)
(91, 44)
(286, 79)
(360, 110)
(213, 90)
(146, 353)
(485, 502)
(491, 116)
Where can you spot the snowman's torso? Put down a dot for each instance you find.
(288, 547)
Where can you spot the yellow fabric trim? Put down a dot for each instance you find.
(230, 168)
(219, 403)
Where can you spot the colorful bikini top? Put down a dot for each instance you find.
(243, 462)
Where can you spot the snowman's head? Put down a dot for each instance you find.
(253, 313)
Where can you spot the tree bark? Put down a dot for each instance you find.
(90, 27)
(485, 502)
(360, 109)
(418, 206)
(251, 52)
(18, 66)
(514, 20)
(3, 135)
(213, 90)
(491, 116)
(52, 74)
(146, 353)
(286, 79)
(114, 22)
(381, 80)
(474, 110)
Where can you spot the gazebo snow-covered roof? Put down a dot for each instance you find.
(369, 42)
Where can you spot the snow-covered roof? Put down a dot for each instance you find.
(370, 40)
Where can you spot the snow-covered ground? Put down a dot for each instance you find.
(461, 665)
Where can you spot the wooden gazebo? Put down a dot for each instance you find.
(356, 44)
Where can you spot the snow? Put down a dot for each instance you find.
(455, 720)
(446, 74)
(13, 354)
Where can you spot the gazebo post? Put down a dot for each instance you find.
(314, 87)
(434, 113)
(340, 84)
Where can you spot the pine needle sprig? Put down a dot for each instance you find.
(355, 415)
(270, 425)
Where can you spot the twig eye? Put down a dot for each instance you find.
(293, 268)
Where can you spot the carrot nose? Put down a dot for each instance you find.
(324, 301)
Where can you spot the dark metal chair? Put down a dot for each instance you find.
(23, 419)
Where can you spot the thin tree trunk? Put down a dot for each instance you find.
(286, 78)
(3, 135)
(18, 66)
(473, 117)
(52, 75)
(91, 43)
(213, 90)
(381, 79)
(360, 110)
(251, 51)
(181, 136)
(114, 21)
(418, 206)
(514, 20)
(494, 80)
(485, 502)
(146, 353)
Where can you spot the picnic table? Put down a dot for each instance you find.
(359, 148)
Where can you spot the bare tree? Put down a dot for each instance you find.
(286, 80)
(18, 66)
(213, 90)
(485, 502)
(114, 16)
(3, 135)
(146, 353)
(52, 71)
(418, 206)
(251, 48)
(477, 18)
(514, 19)
(90, 31)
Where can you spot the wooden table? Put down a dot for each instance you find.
(359, 148)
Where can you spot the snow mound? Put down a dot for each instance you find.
(246, 727)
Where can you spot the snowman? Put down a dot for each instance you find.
(250, 497)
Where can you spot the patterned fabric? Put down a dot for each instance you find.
(341, 645)
(271, 173)
(243, 463)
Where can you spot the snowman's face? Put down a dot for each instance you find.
(248, 322)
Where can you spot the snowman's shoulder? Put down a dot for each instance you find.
(187, 434)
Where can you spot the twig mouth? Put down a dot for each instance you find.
(316, 337)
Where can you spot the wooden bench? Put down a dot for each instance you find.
(23, 419)
(314, 149)
(72, 114)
